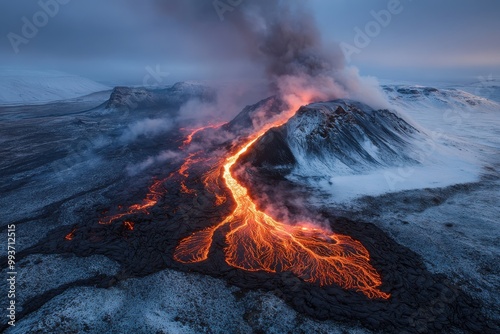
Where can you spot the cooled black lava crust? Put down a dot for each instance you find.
(420, 301)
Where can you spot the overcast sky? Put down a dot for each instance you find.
(113, 41)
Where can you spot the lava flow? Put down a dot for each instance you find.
(194, 131)
(257, 242)
(154, 194)
(156, 190)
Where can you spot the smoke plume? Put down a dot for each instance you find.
(282, 42)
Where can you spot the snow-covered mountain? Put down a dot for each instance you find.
(348, 149)
(348, 137)
(31, 87)
(340, 137)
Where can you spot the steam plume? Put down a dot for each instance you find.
(280, 38)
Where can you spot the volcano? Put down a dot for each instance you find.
(341, 136)
(206, 213)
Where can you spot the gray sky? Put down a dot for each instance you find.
(113, 41)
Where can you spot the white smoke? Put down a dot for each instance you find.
(164, 156)
(147, 128)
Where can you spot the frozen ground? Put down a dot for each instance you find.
(171, 302)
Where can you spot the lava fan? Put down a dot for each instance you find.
(256, 242)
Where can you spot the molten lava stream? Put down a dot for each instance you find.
(154, 194)
(193, 132)
(156, 189)
(257, 242)
(70, 235)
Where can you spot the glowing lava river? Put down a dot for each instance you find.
(256, 242)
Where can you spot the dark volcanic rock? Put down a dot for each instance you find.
(126, 96)
(141, 98)
(272, 151)
(408, 91)
(254, 115)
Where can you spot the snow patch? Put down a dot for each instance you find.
(32, 87)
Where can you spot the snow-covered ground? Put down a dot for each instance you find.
(172, 302)
(485, 86)
(460, 135)
(32, 87)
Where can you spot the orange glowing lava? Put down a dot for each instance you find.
(212, 185)
(257, 242)
(186, 190)
(70, 235)
(128, 225)
(190, 136)
(155, 192)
